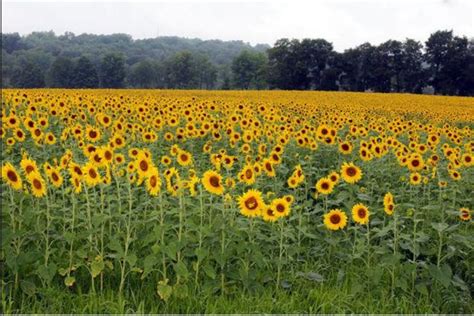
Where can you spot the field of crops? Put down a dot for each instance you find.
(201, 201)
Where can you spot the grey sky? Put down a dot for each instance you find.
(345, 23)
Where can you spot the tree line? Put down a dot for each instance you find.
(444, 64)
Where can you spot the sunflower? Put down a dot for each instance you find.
(467, 160)
(324, 186)
(191, 184)
(91, 174)
(153, 182)
(289, 198)
(415, 178)
(28, 165)
(455, 175)
(11, 176)
(281, 207)
(345, 148)
(76, 184)
(350, 173)
(75, 170)
(143, 165)
(173, 181)
(251, 203)
(465, 214)
(335, 219)
(38, 186)
(334, 177)
(247, 175)
(415, 162)
(212, 182)
(55, 177)
(268, 167)
(269, 214)
(92, 134)
(292, 182)
(184, 158)
(360, 214)
(388, 203)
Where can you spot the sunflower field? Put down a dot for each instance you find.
(153, 201)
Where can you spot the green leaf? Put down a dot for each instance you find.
(131, 259)
(69, 281)
(210, 271)
(443, 276)
(201, 253)
(181, 269)
(29, 288)
(148, 265)
(439, 227)
(164, 290)
(97, 266)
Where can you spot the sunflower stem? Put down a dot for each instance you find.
(280, 255)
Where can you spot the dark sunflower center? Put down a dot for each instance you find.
(280, 208)
(143, 165)
(251, 203)
(214, 181)
(78, 170)
(361, 212)
(351, 171)
(153, 181)
(92, 173)
(29, 169)
(335, 219)
(54, 176)
(248, 174)
(12, 176)
(37, 184)
(415, 163)
(345, 147)
(93, 134)
(325, 185)
(184, 157)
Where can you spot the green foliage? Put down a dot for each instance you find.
(112, 71)
(249, 70)
(85, 74)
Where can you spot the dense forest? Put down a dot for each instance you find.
(444, 64)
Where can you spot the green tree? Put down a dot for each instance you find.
(28, 75)
(61, 73)
(112, 71)
(206, 72)
(85, 74)
(181, 71)
(144, 74)
(448, 57)
(249, 70)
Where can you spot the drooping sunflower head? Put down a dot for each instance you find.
(335, 219)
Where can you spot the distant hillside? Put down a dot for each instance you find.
(96, 46)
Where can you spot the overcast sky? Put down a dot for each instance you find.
(345, 23)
